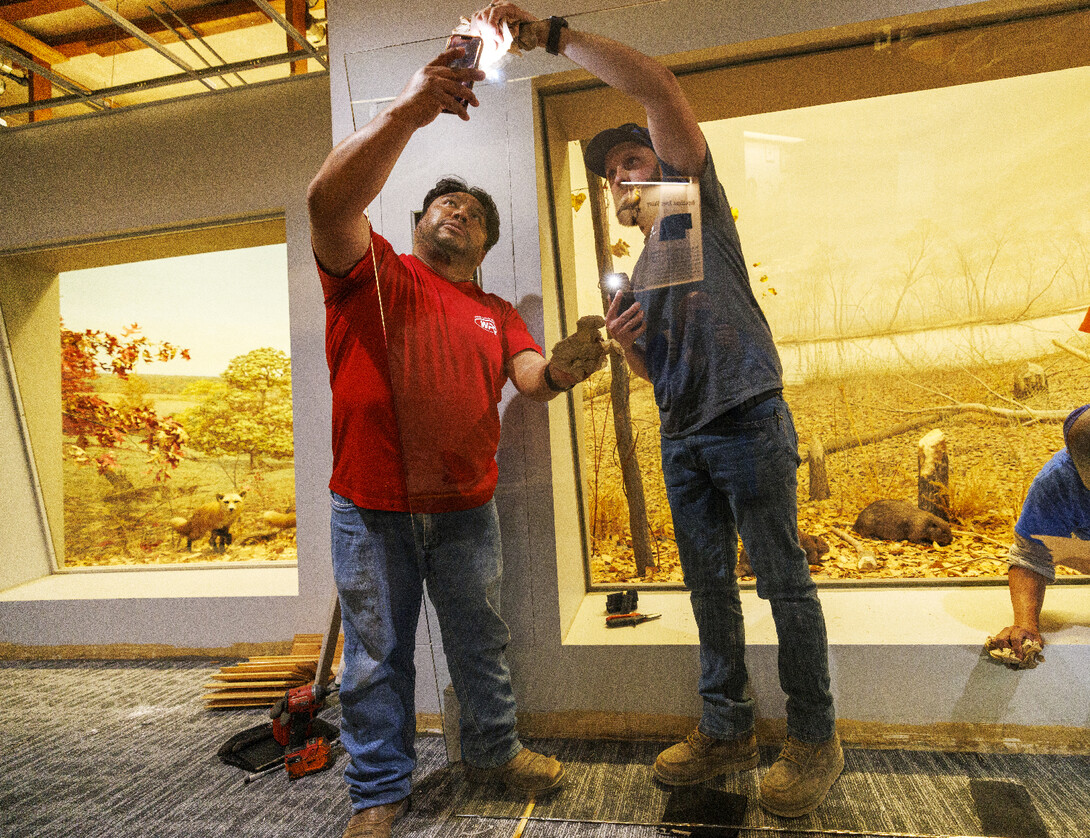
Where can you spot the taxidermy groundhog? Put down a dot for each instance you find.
(899, 520)
(214, 517)
(814, 545)
(1030, 381)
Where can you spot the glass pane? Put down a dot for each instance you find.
(441, 444)
(917, 256)
(177, 414)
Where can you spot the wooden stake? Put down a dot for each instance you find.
(933, 484)
(529, 810)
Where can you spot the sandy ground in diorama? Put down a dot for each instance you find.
(128, 523)
(992, 462)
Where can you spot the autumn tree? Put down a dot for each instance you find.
(89, 418)
(246, 411)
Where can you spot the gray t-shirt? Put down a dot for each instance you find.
(708, 346)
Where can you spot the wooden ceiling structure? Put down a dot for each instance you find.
(70, 57)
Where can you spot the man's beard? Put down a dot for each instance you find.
(450, 247)
(628, 208)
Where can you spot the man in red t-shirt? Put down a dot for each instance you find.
(418, 357)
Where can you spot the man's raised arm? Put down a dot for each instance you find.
(674, 130)
(356, 170)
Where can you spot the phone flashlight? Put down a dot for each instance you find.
(618, 284)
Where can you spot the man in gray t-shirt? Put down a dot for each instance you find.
(729, 450)
(729, 459)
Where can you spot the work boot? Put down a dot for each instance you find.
(376, 821)
(527, 773)
(801, 776)
(702, 757)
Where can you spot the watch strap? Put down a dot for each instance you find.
(552, 43)
(551, 384)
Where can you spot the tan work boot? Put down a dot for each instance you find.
(526, 773)
(801, 776)
(376, 821)
(702, 757)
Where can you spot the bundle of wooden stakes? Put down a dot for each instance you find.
(260, 681)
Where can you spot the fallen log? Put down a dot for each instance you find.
(930, 416)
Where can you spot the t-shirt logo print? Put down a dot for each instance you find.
(486, 323)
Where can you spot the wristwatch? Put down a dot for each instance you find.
(551, 383)
(552, 43)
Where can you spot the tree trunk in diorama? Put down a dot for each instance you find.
(819, 477)
(619, 392)
(933, 483)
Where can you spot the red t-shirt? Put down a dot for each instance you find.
(416, 385)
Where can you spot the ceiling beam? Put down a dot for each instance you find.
(81, 95)
(29, 44)
(295, 34)
(39, 88)
(151, 84)
(135, 31)
(106, 41)
(295, 13)
(197, 35)
(26, 9)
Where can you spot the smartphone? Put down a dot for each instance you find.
(628, 299)
(472, 45)
(618, 284)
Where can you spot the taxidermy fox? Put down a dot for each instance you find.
(215, 517)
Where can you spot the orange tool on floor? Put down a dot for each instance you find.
(633, 618)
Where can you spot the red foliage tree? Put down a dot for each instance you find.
(90, 418)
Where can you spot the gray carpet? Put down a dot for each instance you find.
(128, 749)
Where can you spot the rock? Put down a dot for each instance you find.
(1030, 381)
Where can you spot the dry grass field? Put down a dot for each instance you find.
(992, 463)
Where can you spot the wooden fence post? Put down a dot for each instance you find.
(933, 483)
(819, 478)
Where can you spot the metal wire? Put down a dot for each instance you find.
(686, 828)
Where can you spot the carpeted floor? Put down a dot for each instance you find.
(110, 749)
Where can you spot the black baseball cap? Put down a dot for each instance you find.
(604, 141)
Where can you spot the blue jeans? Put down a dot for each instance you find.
(381, 562)
(740, 480)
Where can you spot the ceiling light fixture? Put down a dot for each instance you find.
(316, 32)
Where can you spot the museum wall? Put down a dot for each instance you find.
(247, 152)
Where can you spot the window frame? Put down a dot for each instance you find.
(868, 60)
(43, 440)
